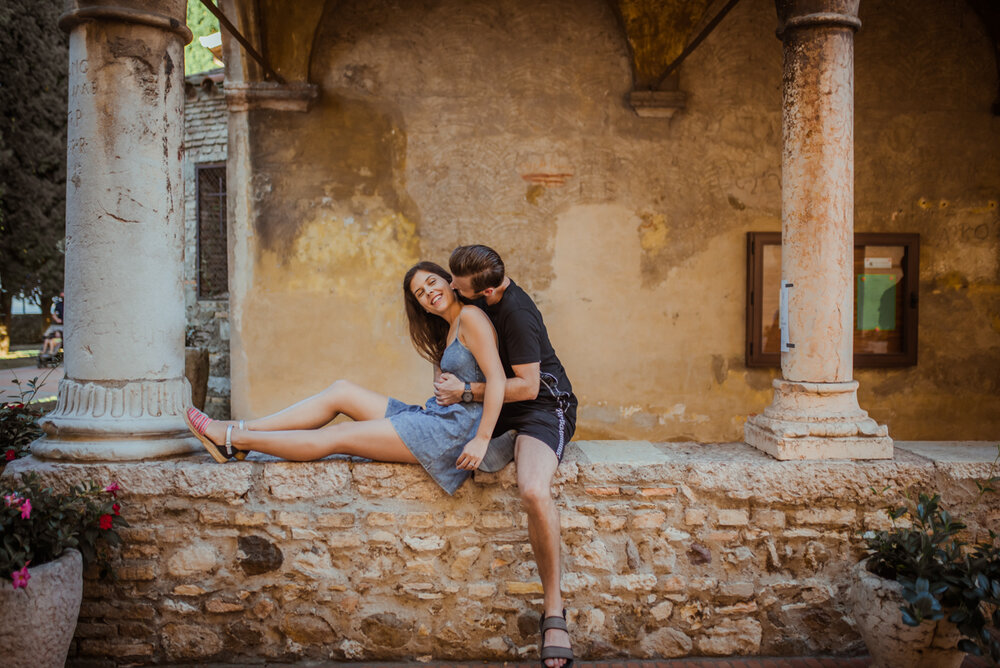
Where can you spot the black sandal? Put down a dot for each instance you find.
(554, 651)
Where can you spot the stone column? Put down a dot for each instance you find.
(815, 412)
(124, 392)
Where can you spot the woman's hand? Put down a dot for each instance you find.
(473, 453)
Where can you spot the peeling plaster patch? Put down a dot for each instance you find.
(340, 256)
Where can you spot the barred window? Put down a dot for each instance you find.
(213, 272)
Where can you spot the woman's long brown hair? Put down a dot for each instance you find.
(428, 332)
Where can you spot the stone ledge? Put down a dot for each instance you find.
(669, 549)
(644, 468)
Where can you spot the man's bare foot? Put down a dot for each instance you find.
(555, 650)
(555, 638)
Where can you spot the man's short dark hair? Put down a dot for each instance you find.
(481, 264)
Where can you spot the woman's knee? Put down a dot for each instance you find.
(338, 391)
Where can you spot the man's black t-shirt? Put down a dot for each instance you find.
(523, 339)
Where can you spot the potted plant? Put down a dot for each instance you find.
(924, 596)
(42, 536)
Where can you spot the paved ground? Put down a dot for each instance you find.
(696, 662)
(48, 381)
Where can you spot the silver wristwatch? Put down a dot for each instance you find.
(467, 395)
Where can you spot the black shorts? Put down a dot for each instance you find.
(551, 422)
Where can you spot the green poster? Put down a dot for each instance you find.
(876, 302)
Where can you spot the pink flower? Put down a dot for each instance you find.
(11, 500)
(10, 455)
(115, 507)
(21, 577)
(26, 509)
(113, 488)
(105, 521)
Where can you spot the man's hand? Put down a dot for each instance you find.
(473, 453)
(448, 390)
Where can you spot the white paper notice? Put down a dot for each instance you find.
(783, 317)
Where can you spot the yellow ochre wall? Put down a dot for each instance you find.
(505, 122)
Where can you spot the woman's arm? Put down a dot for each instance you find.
(477, 335)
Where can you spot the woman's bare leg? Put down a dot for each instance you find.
(374, 439)
(318, 410)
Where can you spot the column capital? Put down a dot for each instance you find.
(795, 14)
(169, 15)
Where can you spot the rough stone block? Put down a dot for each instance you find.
(769, 519)
(197, 558)
(418, 520)
(603, 491)
(136, 535)
(463, 561)
(672, 584)
(524, 588)
(136, 572)
(594, 555)
(637, 582)
(695, 516)
(662, 611)
(250, 519)
(343, 541)
(496, 520)
(658, 492)
(428, 544)
(733, 518)
(667, 643)
(288, 519)
(221, 605)
(736, 590)
(257, 555)
(84, 630)
(214, 516)
(611, 522)
(826, 516)
(569, 521)
(731, 637)
(453, 520)
(334, 520)
(649, 519)
(577, 582)
(189, 590)
(381, 519)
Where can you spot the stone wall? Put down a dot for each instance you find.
(507, 122)
(669, 550)
(205, 141)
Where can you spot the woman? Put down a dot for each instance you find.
(448, 441)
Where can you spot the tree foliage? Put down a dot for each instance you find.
(33, 93)
(202, 23)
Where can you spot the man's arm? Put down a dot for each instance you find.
(523, 386)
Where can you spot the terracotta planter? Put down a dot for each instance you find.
(37, 623)
(875, 603)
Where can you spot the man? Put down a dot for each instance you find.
(52, 338)
(538, 403)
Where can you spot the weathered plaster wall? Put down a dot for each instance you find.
(505, 123)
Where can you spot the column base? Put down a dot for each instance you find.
(117, 421)
(817, 421)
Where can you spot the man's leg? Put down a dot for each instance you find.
(536, 466)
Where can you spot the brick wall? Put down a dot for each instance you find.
(205, 141)
(668, 550)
